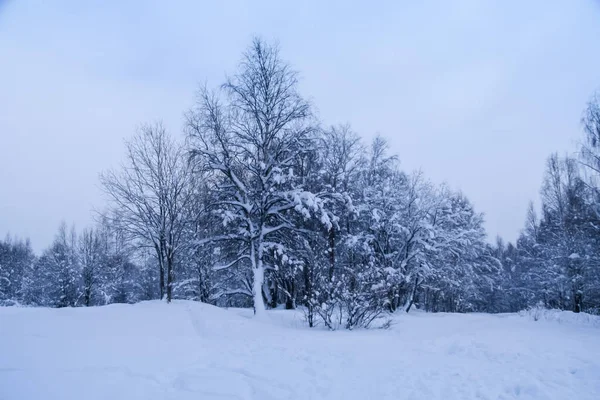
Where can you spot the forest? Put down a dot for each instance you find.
(258, 204)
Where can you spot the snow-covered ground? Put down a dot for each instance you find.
(188, 350)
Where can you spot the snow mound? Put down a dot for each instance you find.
(187, 350)
(562, 317)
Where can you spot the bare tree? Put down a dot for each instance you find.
(150, 195)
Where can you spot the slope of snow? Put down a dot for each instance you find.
(188, 350)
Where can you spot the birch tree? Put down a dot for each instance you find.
(250, 134)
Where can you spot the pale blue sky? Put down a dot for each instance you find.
(475, 93)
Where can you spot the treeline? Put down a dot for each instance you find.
(556, 260)
(260, 206)
(94, 267)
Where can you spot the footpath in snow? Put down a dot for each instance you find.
(188, 350)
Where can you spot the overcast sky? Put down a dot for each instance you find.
(476, 94)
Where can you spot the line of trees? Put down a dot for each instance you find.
(556, 259)
(260, 206)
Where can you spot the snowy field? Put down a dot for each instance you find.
(189, 350)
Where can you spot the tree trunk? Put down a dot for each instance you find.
(274, 287)
(161, 270)
(257, 284)
(307, 272)
(331, 252)
(290, 301)
(394, 298)
(258, 275)
(413, 294)
(289, 304)
(87, 297)
(162, 280)
(169, 278)
(310, 316)
(577, 299)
